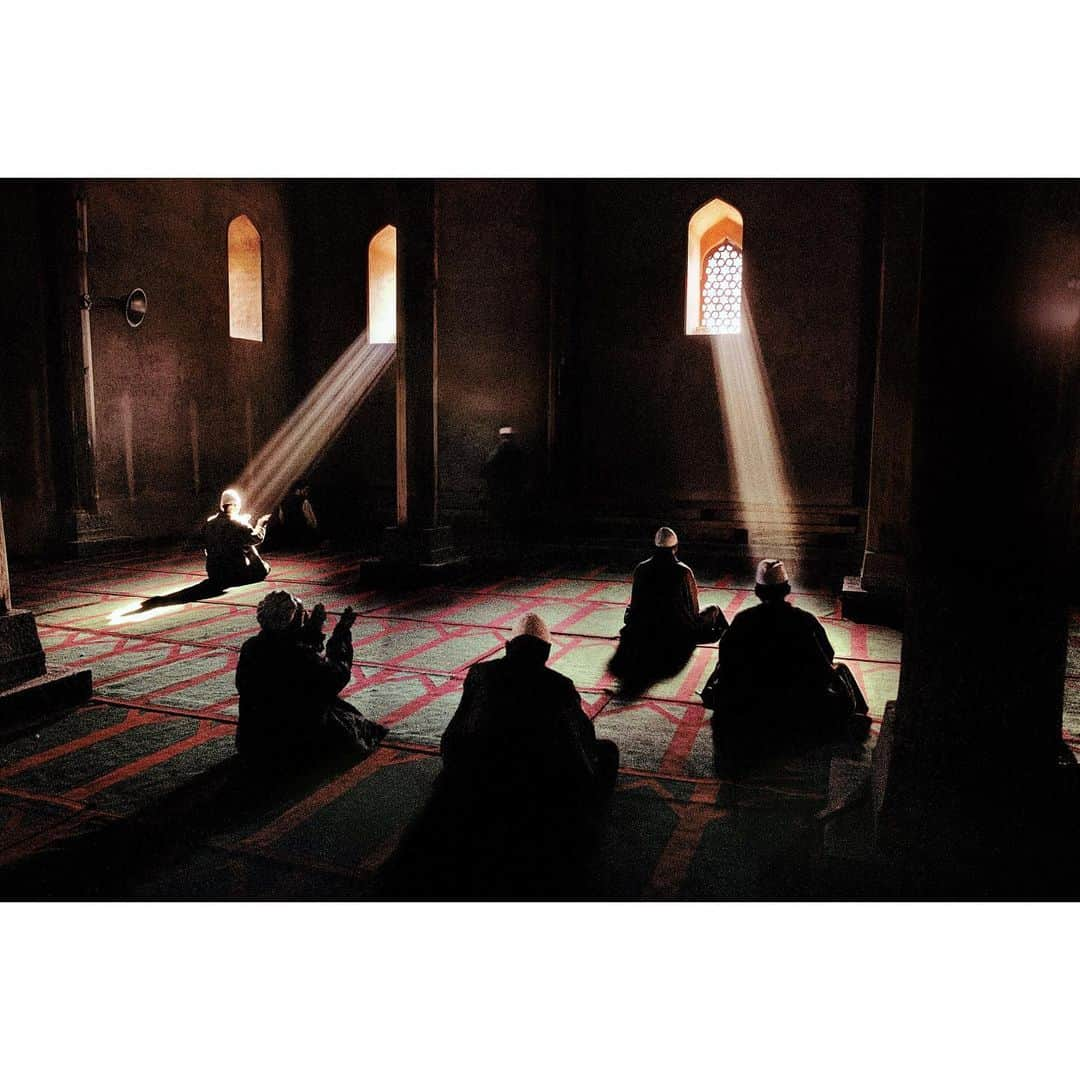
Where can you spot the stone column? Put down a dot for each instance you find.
(977, 738)
(66, 226)
(878, 594)
(418, 538)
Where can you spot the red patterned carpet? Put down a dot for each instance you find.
(165, 705)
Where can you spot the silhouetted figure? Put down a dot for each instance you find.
(230, 541)
(515, 810)
(506, 486)
(663, 622)
(289, 681)
(295, 524)
(775, 686)
(520, 733)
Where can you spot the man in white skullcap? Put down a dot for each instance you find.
(230, 541)
(520, 734)
(289, 681)
(775, 680)
(663, 622)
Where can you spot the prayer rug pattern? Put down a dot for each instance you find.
(165, 708)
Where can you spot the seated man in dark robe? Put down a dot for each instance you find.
(505, 475)
(290, 712)
(519, 733)
(663, 622)
(230, 541)
(515, 811)
(295, 523)
(775, 686)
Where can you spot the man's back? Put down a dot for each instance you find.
(284, 687)
(662, 595)
(519, 722)
(774, 649)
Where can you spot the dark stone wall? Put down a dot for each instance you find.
(586, 276)
(492, 330)
(170, 239)
(649, 414)
(354, 484)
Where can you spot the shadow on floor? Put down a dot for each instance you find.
(463, 848)
(113, 859)
(190, 594)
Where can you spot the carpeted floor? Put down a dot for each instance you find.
(163, 655)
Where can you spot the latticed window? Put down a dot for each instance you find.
(721, 290)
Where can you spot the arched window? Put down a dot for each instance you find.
(245, 280)
(714, 263)
(382, 287)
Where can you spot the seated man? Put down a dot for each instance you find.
(290, 712)
(230, 542)
(775, 682)
(295, 524)
(663, 623)
(520, 734)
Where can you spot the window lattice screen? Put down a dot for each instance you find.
(721, 291)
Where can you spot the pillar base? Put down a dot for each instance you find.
(21, 655)
(862, 603)
(427, 550)
(93, 534)
(28, 687)
(58, 688)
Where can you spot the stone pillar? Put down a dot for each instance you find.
(977, 737)
(418, 538)
(877, 595)
(66, 223)
(5, 576)
(27, 686)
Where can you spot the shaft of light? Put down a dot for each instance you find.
(314, 424)
(753, 438)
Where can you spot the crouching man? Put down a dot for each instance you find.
(289, 681)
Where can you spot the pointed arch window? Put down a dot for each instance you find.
(245, 280)
(714, 270)
(382, 287)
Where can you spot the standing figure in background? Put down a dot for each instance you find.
(295, 524)
(775, 684)
(289, 681)
(663, 623)
(230, 541)
(506, 483)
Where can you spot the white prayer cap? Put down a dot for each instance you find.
(534, 626)
(665, 538)
(277, 610)
(230, 497)
(771, 572)
(504, 431)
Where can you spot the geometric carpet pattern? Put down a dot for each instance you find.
(165, 706)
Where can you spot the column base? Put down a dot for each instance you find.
(862, 603)
(21, 655)
(93, 534)
(58, 688)
(428, 550)
(28, 688)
